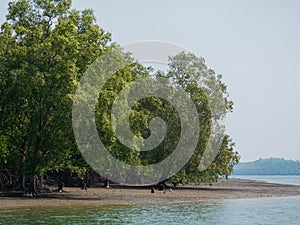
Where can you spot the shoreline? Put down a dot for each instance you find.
(225, 189)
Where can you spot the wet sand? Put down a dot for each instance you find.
(230, 189)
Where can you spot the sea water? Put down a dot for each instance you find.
(240, 211)
(293, 180)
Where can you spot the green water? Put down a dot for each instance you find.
(243, 211)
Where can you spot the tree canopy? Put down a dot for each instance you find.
(45, 48)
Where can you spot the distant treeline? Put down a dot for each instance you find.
(271, 166)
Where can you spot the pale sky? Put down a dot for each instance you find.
(254, 44)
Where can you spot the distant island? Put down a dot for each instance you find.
(270, 166)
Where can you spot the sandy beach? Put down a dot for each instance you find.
(225, 189)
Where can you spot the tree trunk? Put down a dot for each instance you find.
(24, 182)
(106, 183)
(1, 184)
(162, 185)
(33, 186)
(60, 186)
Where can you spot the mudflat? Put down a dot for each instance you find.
(116, 195)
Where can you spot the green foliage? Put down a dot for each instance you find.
(45, 48)
(106, 99)
(4, 152)
(211, 99)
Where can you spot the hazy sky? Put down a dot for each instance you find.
(254, 44)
